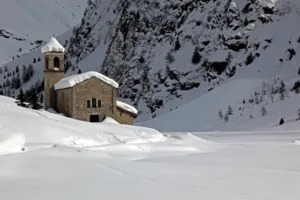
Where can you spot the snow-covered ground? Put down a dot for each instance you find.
(48, 156)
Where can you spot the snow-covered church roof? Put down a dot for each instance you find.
(53, 46)
(79, 78)
(128, 108)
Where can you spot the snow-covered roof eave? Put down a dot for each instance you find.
(127, 107)
(52, 46)
(71, 81)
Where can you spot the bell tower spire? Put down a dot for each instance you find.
(54, 69)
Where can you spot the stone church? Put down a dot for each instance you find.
(89, 96)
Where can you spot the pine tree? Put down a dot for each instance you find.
(177, 45)
(24, 74)
(251, 116)
(30, 70)
(281, 122)
(1, 92)
(79, 71)
(263, 111)
(34, 101)
(17, 69)
(299, 71)
(169, 58)
(229, 110)
(39, 59)
(282, 90)
(196, 57)
(7, 83)
(226, 117)
(42, 98)
(5, 69)
(21, 99)
(299, 114)
(264, 89)
(244, 101)
(220, 114)
(1, 71)
(34, 60)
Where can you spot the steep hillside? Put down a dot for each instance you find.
(25, 24)
(257, 105)
(165, 54)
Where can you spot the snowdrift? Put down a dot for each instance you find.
(20, 127)
(23, 129)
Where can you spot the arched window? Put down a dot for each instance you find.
(56, 62)
(94, 102)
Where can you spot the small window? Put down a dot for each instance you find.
(56, 62)
(88, 103)
(99, 103)
(94, 103)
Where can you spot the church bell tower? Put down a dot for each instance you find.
(54, 70)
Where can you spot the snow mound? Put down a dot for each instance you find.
(79, 78)
(52, 46)
(297, 142)
(75, 141)
(43, 129)
(11, 143)
(110, 120)
(127, 107)
(172, 145)
(38, 130)
(188, 139)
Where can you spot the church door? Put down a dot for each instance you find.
(94, 118)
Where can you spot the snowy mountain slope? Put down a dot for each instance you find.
(149, 48)
(25, 24)
(202, 113)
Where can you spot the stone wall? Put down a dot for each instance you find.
(64, 99)
(124, 117)
(94, 88)
(50, 78)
